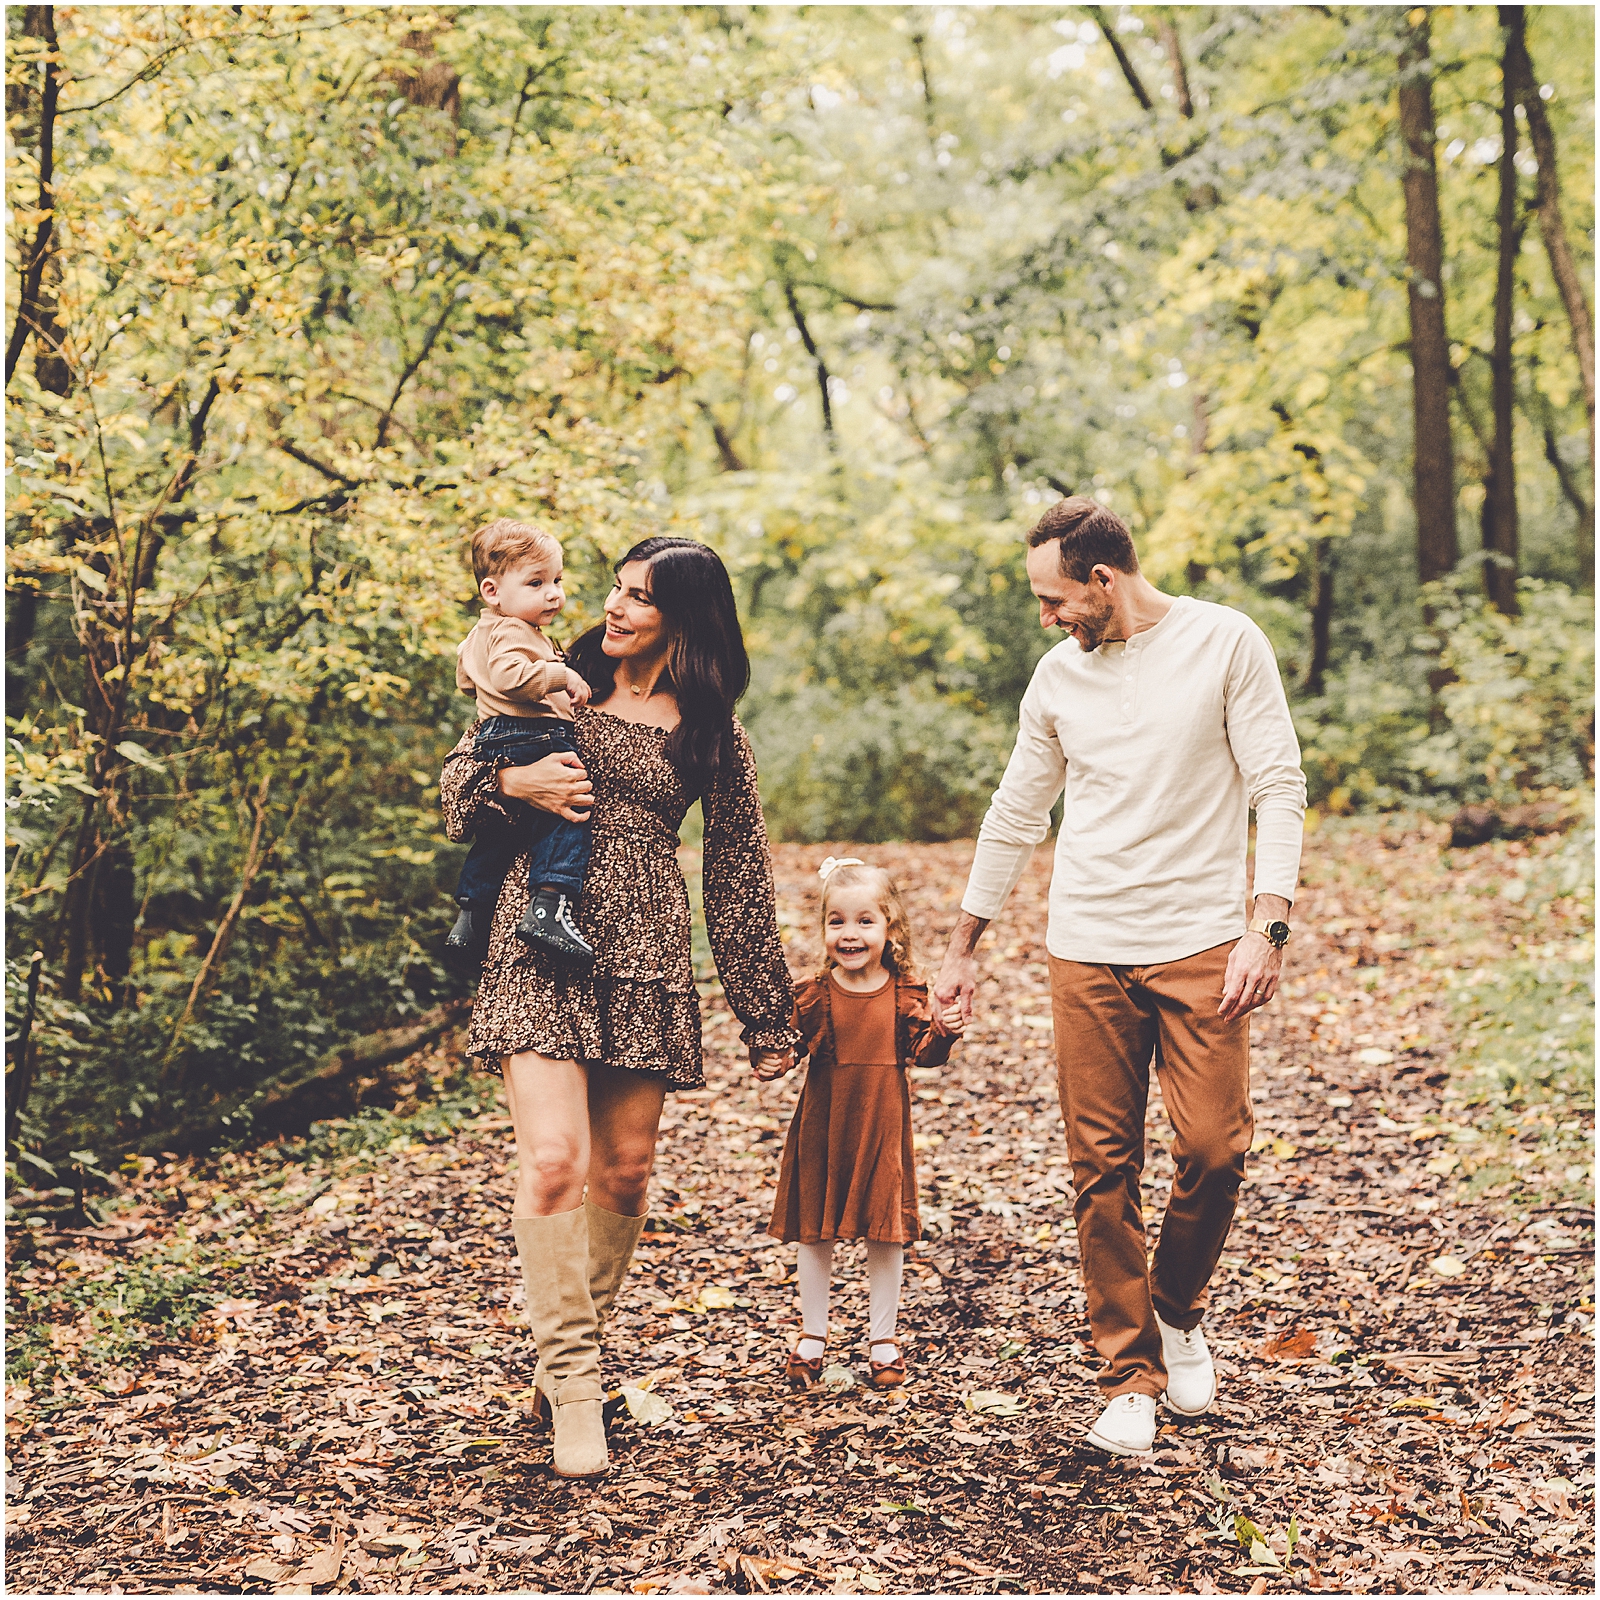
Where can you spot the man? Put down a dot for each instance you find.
(1165, 721)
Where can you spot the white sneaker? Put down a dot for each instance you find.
(1127, 1427)
(1191, 1378)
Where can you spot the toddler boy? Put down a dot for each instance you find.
(525, 694)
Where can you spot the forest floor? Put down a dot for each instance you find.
(303, 1368)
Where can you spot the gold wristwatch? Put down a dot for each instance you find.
(1276, 932)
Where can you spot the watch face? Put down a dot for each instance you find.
(1278, 933)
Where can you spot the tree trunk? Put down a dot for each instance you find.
(1434, 476)
(1585, 511)
(115, 910)
(1519, 68)
(41, 23)
(1180, 74)
(1500, 497)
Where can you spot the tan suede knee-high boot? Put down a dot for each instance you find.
(554, 1252)
(612, 1241)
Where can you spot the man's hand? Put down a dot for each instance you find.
(1254, 966)
(578, 690)
(958, 976)
(555, 783)
(769, 1065)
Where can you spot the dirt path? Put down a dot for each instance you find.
(1407, 1378)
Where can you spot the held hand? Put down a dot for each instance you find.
(769, 1065)
(1252, 977)
(555, 783)
(952, 993)
(578, 690)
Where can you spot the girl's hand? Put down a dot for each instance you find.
(555, 783)
(578, 690)
(770, 1065)
(954, 1019)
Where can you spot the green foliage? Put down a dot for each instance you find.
(1514, 714)
(120, 1313)
(902, 766)
(1520, 700)
(1528, 1023)
(327, 287)
(466, 1095)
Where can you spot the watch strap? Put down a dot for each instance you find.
(1261, 925)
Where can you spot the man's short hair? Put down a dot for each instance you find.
(502, 544)
(1091, 536)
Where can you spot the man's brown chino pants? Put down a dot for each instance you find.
(1111, 1023)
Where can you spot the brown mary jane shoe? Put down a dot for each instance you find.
(800, 1373)
(889, 1374)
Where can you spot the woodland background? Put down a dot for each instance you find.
(298, 296)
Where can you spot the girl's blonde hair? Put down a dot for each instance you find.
(853, 874)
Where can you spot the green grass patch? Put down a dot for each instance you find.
(111, 1319)
(1524, 1046)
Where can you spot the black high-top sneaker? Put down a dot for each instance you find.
(551, 923)
(468, 942)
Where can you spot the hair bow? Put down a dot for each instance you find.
(838, 861)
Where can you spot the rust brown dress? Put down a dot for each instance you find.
(848, 1171)
(637, 1008)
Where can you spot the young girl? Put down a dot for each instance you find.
(847, 1168)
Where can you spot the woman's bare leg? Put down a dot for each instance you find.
(624, 1122)
(549, 1103)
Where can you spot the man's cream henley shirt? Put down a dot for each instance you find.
(1163, 744)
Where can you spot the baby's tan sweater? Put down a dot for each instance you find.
(512, 669)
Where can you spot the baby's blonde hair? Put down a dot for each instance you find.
(505, 543)
(897, 955)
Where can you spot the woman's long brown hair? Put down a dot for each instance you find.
(708, 667)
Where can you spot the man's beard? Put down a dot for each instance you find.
(1090, 632)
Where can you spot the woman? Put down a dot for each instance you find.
(588, 1054)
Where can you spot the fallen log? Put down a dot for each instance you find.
(334, 1085)
(1478, 824)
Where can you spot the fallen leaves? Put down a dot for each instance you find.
(1391, 1412)
(993, 1403)
(1291, 1345)
(646, 1408)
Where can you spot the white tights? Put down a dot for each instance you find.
(885, 1265)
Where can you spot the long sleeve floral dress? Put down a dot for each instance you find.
(637, 1007)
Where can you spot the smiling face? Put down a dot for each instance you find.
(1082, 609)
(634, 626)
(855, 930)
(530, 591)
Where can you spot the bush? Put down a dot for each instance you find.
(904, 766)
(1515, 715)
(1520, 703)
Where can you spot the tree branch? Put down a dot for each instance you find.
(1562, 266)
(731, 461)
(811, 350)
(308, 460)
(254, 856)
(1098, 15)
(385, 422)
